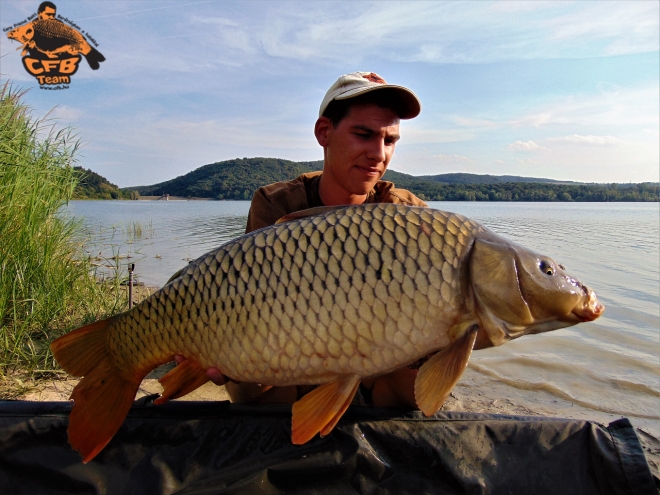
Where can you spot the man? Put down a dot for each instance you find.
(46, 10)
(358, 128)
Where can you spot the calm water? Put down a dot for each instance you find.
(606, 368)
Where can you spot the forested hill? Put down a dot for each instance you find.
(94, 186)
(231, 179)
(239, 178)
(463, 178)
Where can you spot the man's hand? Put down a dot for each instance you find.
(394, 390)
(214, 374)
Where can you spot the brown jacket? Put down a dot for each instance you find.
(272, 202)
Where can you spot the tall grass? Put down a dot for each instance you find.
(46, 286)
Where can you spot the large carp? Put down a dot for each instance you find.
(327, 296)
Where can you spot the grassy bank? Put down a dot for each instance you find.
(46, 287)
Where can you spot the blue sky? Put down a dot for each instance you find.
(563, 90)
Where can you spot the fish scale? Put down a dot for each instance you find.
(313, 298)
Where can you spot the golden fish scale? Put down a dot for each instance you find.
(361, 290)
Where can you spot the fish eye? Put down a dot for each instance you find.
(546, 267)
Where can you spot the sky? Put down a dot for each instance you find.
(566, 90)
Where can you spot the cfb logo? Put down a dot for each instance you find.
(57, 71)
(52, 47)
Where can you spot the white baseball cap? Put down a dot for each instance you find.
(359, 83)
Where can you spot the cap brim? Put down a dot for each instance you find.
(409, 106)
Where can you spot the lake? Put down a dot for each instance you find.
(600, 370)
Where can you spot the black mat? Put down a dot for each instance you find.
(217, 447)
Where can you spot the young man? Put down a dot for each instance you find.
(358, 128)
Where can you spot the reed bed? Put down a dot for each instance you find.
(46, 286)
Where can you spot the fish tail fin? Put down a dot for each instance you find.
(103, 397)
(94, 58)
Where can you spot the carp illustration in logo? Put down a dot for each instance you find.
(51, 49)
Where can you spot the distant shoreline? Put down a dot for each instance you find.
(172, 198)
(182, 199)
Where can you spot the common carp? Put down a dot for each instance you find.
(52, 38)
(326, 296)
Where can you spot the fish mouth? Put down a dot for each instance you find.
(588, 308)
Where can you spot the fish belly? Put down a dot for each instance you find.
(359, 290)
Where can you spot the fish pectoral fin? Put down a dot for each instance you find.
(308, 213)
(182, 380)
(437, 377)
(320, 410)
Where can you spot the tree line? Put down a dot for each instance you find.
(532, 191)
(238, 179)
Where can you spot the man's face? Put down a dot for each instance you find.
(47, 13)
(356, 152)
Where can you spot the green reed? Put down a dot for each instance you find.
(46, 286)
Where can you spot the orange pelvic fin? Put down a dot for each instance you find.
(320, 410)
(103, 397)
(438, 375)
(182, 380)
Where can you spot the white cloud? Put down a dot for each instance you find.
(588, 140)
(66, 114)
(526, 146)
(418, 135)
(454, 159)
(537, 120)
(619, 28)
(475, 123)
(527, 162)
(434, 32)
(629, 107)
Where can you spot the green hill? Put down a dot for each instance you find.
(238, 179)
(231, 179)
(463, 178)
(94, 186)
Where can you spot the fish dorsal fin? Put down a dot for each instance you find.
(182, 380)
(437, 377)
(320, 410)
(308, 213)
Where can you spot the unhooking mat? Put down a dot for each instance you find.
(217, 447)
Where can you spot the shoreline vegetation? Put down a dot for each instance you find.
(47, 287)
